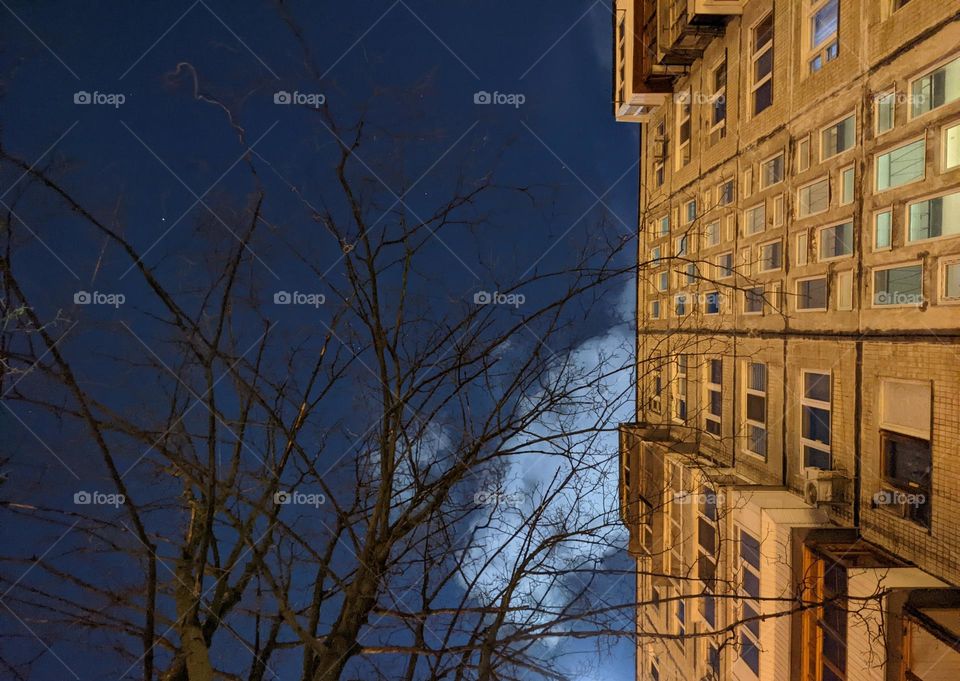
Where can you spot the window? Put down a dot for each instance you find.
(712, 302)
(900, 286)
(680, 246)
(725, 193)
(836, 241)
(750, 600)
(951, 147)
(824, 46)
(932, 218)
(691, 210)
(680, 304)
(901, 165)
(663, 281)
(761, 60)
(711, 234)
(724, 265)
(755, 219)
(747, 182)
(814, 198)
(812, 294)
(845, 290)
(713, 658)
(707, 549)
(753, 300)
(655, 254)
(714, 384)
(680, 390)
(664, 225)
(771, 256)
(824, 630)
(654, 671)
(885, 106)
(950, 281)
(778, 210)
(656, 384)
(935, 89)
(771, 171)
(678, 497)
(803, 154)
(683, 107)
(755, 408)
(660, 152)
(681, 617)
(802, 255)
(905, 416)
(846, 186)
(815, 419)
(882, 228)
(718, 112)
(655, 309)
(838, 137)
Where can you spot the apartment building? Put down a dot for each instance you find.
(791, 482)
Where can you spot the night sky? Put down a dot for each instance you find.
(147, 112)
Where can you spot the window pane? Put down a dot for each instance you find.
(757, 440)
(816, 424)
(898, 286)
(951, 143)
(756, 408)
(882, 230)
(885, 109)
(763, 33)
(900, 166)
(763, 96)
(838, 138)
(814, 198)
(812, 294)
(836, 241)
(824, 23)
(716, 371)
(757, 377)
(750, 549)
(951, 280)
(750, 654)
(907, 461)
(816, 386)
(936, 89)
(935, 217)
(846, 184)
(816, 458)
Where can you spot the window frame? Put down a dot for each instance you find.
(764, 394)
(826, 295)
(842, 185)
(906, 217)
(747, 293)
(820, 242)
(720, 192)
(822, 50)
(833, 124)
(944, 168)
(710, 387)
(873, 232)
(683, 114)
(743, 596)
(755, 55)
(803, 235)
(783, 170)
(911, 81)
(747, 223)
(707, 241)
(894, 266)
(942, 266)
(679, 405)
(813, 402)
(888, 150)
(877, 99)
(720, 269)
(718, 94)
(807, 185)
(760, 258)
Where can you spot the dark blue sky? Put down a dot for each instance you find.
(412, 69)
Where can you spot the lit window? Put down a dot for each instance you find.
(812, 294)
(802, 246)
(755, 408)
(771, 171)
(846, 186)
(815, 419)
(724, 265)
(756, 219)
(683, 110)
(885, 111)
(753, 300)
(825, 626)
(837, 138)
(824, 20)
(814, 198)
(711, 235)
(951, 147)
(680, 390)
(761, 61)
(882, 229)
(935, 89)
(936, 217)
(900, 286)
(771, 256)
(901, 165)
(749, 591)
(714, 384)
(836, 241)
(725, 193)
(950, 278)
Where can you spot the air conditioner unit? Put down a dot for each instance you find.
(818, 486)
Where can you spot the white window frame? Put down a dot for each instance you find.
(664, 222)
(747, 390)
(891, 149)
(803, 248)
(661, 283)
(921, 199)
(760, 257)
(826, 297)
(842, 185)
(877, 99)
(680, 377)
(873, 232)
(747, 292)
(655, 254)
(943, 145)
(808, 185)
(755, 56)
(822, 50)
(803, 153)
(821, 230)
(926, 72)
(716, 94)
(895, 266)
(743, 597)
(942, 281)
(818, 404)
(720, 269)
(733, 192)
(844, 281)
(747, 222)
(833, 124)
(655, 309)
(763, 175)
(710, 387)
(712, 238)
(683, 114)
(681, 246)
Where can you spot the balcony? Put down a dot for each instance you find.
(688, 26)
